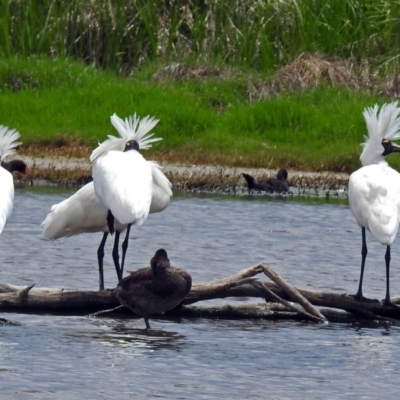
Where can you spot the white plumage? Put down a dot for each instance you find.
(84, 212)
(374, 189)
(8, 143)
(6, 197)
(123, 183)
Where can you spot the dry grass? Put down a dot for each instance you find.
(179, 71)
(390, 87)
(59, 176)
(311, 70)
(308, 71)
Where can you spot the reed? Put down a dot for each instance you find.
(122, 35)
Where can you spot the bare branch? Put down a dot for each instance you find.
(293, 293)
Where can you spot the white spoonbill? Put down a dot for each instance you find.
(83, 211)
(123, 183)
(8, 143)
(374, 189)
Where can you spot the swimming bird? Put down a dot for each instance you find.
(84, 212)
(8, 143)
(374, 189)
(278, 185)
(156, 289)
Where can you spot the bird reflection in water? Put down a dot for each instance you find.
(119, 333)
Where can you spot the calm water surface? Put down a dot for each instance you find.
(311, 244)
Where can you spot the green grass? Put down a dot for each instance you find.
(201, 121)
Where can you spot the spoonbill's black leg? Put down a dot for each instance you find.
(100, 258)
(115, 256)
(124, 248)
(387, 301)
(364, 252)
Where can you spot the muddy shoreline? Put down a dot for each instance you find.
(190, 178)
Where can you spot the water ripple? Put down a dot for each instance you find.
(311, 244)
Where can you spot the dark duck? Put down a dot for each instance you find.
(277, 185)
(156, 289)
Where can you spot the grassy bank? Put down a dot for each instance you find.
(233, 82)
(63, 107)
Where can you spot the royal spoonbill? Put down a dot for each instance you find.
(278, 185)
(123, 183)
(374, 189)
(8, 143)
(84, 212)
(156, 289)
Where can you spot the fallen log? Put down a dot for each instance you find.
(339, 307)
(26, 299)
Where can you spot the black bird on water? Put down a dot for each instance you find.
(278, 184)
(156, 289)
(14, 165)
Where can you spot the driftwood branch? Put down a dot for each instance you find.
(278, 296)
(296, 308)
(293, 293)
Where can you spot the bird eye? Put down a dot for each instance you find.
(385, 142)
(128, 145)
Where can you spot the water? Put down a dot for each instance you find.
(312, 244)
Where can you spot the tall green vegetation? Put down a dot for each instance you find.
(262, 34)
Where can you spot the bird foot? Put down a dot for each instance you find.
(389, 303)
(361, 298)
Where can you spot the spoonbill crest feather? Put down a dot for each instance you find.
(383, 124)
(8, 142)
(132, 128)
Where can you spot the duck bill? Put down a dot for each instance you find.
(393, 148)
